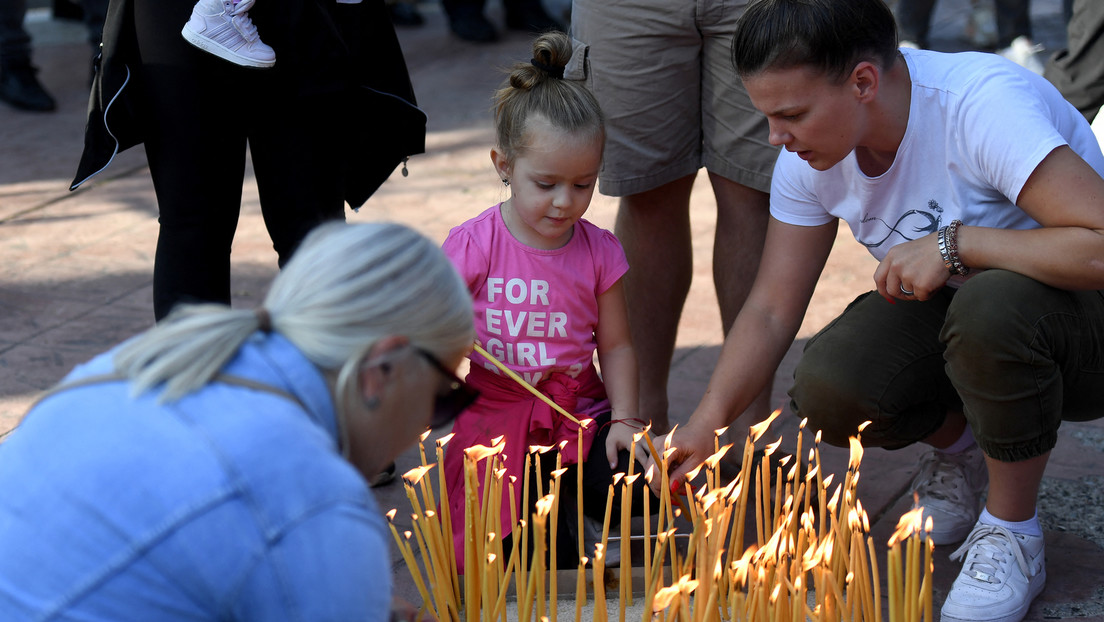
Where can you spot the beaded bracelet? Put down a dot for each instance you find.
(948, 248)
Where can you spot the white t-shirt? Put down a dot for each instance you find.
(978, 127)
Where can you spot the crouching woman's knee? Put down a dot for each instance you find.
(833, 392)
(991, 326)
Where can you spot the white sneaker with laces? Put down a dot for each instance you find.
(1002, 574)
(1025, 53)
(949, 488)
(225, 30)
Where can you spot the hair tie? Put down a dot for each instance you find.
(555, 72)
(264, 320)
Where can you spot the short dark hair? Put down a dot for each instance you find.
(831, 35)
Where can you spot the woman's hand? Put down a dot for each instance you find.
(691, 447)
(912, 270)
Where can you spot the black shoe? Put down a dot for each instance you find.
(405, 14)
(473, 27)
(20, 88)
(531, 19)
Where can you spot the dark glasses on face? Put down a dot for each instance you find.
(448, 405)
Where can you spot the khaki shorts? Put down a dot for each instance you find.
(662, 70)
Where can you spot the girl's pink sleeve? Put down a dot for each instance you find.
(467, 257)
(610, 261)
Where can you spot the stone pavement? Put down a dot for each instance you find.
(75, 271)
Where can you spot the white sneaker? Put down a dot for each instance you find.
(949, 487)
(225, 30)
(1002, 574)
(1025, 53)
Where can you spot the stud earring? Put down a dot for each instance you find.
(506, 182)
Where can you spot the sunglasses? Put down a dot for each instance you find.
(447, 406)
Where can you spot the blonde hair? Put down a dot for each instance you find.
(346, 287)
(538, 88)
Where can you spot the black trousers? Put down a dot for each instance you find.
(199, 114)
(597, 477)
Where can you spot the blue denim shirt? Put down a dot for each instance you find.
(229, 504)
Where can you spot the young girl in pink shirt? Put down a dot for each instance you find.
(547, 292)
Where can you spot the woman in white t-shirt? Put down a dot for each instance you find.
(979, 190)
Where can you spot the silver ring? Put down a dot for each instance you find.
(904, 291)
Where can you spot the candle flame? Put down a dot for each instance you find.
(667, 439)
(693, 472)
(544, 505)
(715, 459)
(755, 432)
(441, 442)
(909, 523)
(476, 453)
(856, 453)
(770, 448)
(415, 475)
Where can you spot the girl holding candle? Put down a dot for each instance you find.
(547, 292)
(979, 190)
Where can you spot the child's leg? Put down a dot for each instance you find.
(223, 28)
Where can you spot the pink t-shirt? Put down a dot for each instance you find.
(535, 310)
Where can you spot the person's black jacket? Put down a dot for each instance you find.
(334, 47)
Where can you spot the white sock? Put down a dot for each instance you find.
(963, 443)
(1029, 527)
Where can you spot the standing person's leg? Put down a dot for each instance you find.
(18, 84)
(15, 42)
(1023, 356)
(1013, 20)
(742, 215)
(736, 151)
(529, 15)
(654, 228)
(466, 20)
(300, 157)
(95, 13)
(652, 104)
(1078, 70)
(914, 21)
(1014, 40)
(196, 152)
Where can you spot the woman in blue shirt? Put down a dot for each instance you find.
(214, 467)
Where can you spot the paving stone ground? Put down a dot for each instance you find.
(75, 270)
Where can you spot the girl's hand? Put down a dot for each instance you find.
(912, 270)
(403, 611)
(620, 437)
